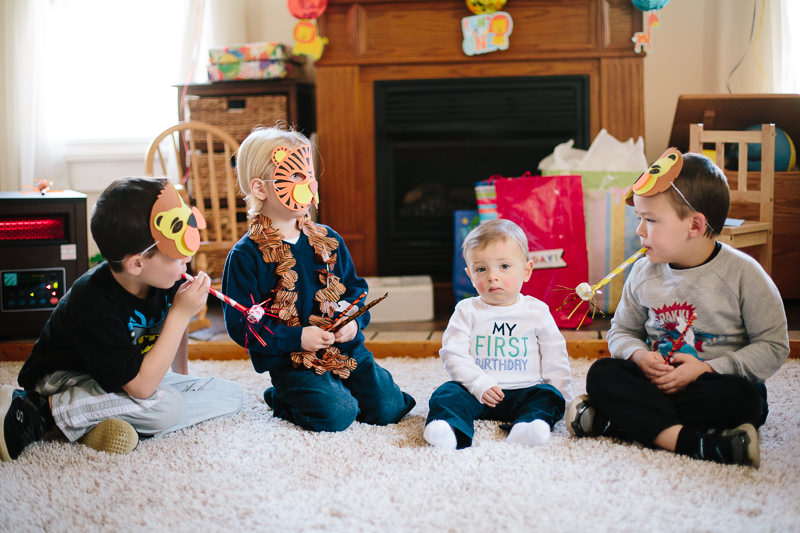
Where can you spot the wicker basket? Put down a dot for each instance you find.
(203, 172)
(216, 260)
(225, 223)
(238, 115)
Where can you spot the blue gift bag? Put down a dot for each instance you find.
(464, 220)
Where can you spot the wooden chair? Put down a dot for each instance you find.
(202, 156)
(757, 229)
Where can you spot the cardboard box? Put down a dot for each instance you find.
(251, 61)
(249, 70)
(410, 298)
(239, 53)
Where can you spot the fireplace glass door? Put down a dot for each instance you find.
(436, 138)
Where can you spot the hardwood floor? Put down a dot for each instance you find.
(396, 339)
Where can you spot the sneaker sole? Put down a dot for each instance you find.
(112, 436)
(571, 414)
(753, 448)
(6, 395)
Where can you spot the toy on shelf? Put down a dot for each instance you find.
(642, 40)
(41, 186)
(306, 32)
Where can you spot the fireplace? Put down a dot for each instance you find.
(375, 44)
(435, 138)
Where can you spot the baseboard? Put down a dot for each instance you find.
(18, 350)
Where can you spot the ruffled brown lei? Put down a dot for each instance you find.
(284, 296)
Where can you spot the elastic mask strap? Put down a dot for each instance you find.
(677, 190)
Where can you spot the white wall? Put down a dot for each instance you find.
(695, 48)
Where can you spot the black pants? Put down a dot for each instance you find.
(640, 411)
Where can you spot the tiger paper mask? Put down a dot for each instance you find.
(292, 165)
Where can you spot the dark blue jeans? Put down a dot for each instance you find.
(327, 403)
(455, 405)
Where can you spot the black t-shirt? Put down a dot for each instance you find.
(100, 329)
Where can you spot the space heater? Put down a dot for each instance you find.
(43, 250)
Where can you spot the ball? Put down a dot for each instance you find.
(785, 153)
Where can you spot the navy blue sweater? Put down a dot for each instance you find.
(247, 278)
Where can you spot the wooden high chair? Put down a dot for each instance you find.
(757, 229)
(204, 159)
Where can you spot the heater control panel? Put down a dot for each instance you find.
(31, 289)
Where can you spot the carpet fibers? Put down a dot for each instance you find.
(253, 472)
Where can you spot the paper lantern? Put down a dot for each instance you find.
(307, 9)
(649, 5)
(485, 6)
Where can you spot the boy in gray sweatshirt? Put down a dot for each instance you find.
(698, 330)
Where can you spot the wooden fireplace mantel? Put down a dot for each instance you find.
(374, 40)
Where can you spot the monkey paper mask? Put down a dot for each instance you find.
(659, 177)
(296, 163)
(174, 225)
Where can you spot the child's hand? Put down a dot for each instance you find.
(191, 296)
(687, 370)
(314, 338)
(652, 364)
(493, 396)
(347, 332)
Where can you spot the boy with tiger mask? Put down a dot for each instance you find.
(321, 380)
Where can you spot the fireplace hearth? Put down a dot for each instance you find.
(435, 138)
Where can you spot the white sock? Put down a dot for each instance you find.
(530, 433)
(439, 433)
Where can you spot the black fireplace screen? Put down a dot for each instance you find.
(435, 138)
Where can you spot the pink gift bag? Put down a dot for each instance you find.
(550, 211)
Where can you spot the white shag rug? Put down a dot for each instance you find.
(252, 472)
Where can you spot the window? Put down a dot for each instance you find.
(108, 67)
(787, 42)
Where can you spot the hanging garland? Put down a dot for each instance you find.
(643, 40)
(284, 296)
(306, 32)
(488, 29)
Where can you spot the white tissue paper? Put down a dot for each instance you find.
(607, 169)
(605, 153)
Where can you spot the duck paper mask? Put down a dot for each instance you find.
(291, 165)
(659, 177)
(174, 225)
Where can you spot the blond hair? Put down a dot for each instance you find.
(495, 230)
(254, 159)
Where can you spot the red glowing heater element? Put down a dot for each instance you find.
(32, 228)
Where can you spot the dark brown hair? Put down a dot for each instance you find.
(121, 218)
(705, 188)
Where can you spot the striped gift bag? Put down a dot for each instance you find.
(486, 197)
